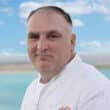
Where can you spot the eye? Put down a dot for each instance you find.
(53, 35)
(33, 36)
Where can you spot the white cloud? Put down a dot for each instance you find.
(95, 45)
(78, 23)
(101, 8)
(6, 52)
(22, 42)
(71, 7)
(107, 45)
(26, 7)
(77, 7)
(74, 7)
(9, 52)
(103, 1)
(11, 56)
(107, 18)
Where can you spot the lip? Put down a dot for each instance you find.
(44, 57)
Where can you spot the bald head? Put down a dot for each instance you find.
(51, 9)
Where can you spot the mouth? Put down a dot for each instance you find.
(43, 57)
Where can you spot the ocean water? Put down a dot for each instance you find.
(13, 86)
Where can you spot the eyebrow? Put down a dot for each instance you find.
(32, 33)
(54, 31)
(50, 32)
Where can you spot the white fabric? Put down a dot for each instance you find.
(79, 86)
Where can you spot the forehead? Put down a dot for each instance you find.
(46, 20)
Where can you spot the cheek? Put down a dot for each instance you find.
(29, 50)
(31, 47)
(67, 46)
(60, 52)
(66, 51)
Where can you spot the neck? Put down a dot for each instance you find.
(72, 56)
(45, 79)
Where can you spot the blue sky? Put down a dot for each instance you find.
(91, 24)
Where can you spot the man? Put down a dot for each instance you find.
(65, 82)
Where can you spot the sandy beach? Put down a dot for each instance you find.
(16, 67)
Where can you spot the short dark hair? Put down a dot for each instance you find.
(54, 8)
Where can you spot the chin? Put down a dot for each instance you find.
(44, 67)
(44, 71)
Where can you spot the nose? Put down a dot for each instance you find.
(42, 45)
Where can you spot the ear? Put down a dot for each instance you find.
(73, 41)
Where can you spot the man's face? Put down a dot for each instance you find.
(50, 41)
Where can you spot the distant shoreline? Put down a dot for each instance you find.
(29, 67)
(103, 67)
(16, 67)
(22, 63)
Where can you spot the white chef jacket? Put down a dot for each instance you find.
(79, 86)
